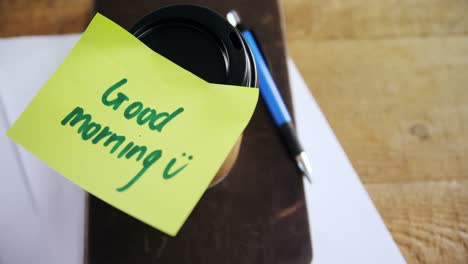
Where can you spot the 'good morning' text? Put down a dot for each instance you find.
(119, 144)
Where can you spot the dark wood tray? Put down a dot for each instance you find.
(256, 215)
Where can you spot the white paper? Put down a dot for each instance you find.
(345, 225)
(18, 221)
(25, 65)
(42, 213)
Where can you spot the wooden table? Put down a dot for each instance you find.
(392, 79)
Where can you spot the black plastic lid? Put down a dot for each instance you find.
(199, 40)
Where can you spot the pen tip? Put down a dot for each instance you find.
(304, 165)
(308, 178)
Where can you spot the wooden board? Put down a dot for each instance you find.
(256, 215)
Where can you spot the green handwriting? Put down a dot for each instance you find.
(119, 144)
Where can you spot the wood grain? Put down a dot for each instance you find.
(427, 219)
(322, 19)
(26, 17)
(392, 80)
(399, 106)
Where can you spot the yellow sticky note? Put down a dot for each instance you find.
(133, 128)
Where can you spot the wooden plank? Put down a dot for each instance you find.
(428, 220)
(325, 19)
(257, 214)
(23, 17)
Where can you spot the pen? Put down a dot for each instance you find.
(272, 98)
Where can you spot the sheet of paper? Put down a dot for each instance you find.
(19, 227)
(345, 225)
(133, 128)
(342, 216)
(48, 207)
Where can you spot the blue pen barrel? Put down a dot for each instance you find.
(267, 86)
(274, 101)
(272, 97)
